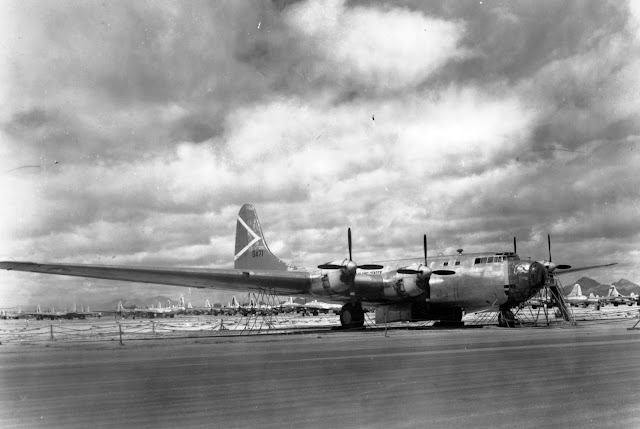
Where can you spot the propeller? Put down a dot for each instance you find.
(350, 266)
(551, 267)
(423, 270)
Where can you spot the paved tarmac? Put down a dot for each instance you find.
(585, 376)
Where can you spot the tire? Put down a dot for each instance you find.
(351, 317)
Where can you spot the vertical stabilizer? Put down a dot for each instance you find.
(181, 301)
(252, 251)
(207, 304)
(576, 291)
(234, 302)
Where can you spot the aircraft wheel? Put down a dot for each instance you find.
(506, 319)
(352, 316)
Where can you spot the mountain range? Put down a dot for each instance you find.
(624, 286)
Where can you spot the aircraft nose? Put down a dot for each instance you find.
(537, 275)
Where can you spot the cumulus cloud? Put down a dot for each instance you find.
(377, 48)
(142, 128)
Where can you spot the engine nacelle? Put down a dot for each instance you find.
(404, 286)
(338, 280)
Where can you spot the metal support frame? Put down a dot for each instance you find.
(255, 322)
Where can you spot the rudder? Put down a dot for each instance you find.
(251, 250)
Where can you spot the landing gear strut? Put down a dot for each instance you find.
(506, 318)
(352, 316)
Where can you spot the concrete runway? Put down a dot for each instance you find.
(584, 376)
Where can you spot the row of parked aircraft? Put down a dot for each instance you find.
(427, 288)
(577, 299)
(314, 307)
(51, 314)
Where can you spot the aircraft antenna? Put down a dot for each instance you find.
(514, 245)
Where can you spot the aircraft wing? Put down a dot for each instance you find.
(291, 282)
(573, 270)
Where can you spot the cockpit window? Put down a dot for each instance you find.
(483, 261)
(490, 259)
(477, 261)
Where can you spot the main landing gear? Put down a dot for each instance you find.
(352, 316)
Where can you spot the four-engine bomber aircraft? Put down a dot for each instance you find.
(434, 288)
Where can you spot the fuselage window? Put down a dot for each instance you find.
(477, 261)
(444, 264)
(457, 262)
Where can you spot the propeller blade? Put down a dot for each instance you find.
(563, 267)
(444, 272)
(549, 240)
(370, 267)
(425, 249)
(349, 236)
(407, 271)
(514, 245)
(329, 267)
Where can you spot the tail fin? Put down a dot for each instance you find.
(234, 302)
(207, 304)
(181, 301)
(576, 291)
(119, 305)
(251, 248)
(38, 310)
(613, 291)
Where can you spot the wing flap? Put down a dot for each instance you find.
(230, 279)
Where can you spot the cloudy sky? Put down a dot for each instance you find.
(132, 132)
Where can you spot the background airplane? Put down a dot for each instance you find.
(316, 307)
(575, 297)
(614, 297)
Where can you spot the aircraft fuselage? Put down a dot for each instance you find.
(481, 280)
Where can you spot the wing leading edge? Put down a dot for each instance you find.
(293, 282)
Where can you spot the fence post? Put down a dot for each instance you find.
(51, 331)
(120, 329)
(385, 321)
(153, 327)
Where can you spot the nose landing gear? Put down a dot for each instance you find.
(506, 319)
